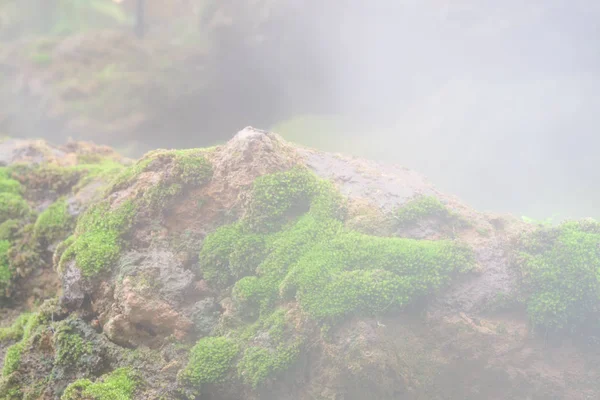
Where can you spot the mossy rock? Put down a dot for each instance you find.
(560, 275)
(54, 223)
(120, 384)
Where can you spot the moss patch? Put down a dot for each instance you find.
(98, 238)
(210, 359)
(12, 206)
(118, 385)
(70, 346)
(330, 270)
(187, 167)
(560, 273)
(426, 208)
(8, 184)
(5, 273)
(21, 330)
(54, 223)
(292, 244)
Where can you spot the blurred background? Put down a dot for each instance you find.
(496, 102)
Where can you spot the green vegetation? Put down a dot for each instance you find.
(5, 273)
(210, 359)
(98, 237)
(54, 223)
(21, 330)
(8, 229)
(12, 359)
(292, 243)
(188, 167)
(7, 183)
(47, 177)
(12, 206)
(41, 58)
(331, 271)
(70, 347)
(560, 274)
(424, 207)
(259, 363)
(118, 385)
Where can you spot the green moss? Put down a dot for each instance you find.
(188, 167)
(560, 273)
(420, 208)
(53, 223)
(7, 183)
(12, 359)
(5, 272)
(63, 253)
(292, 244)
(210, 359)
(8, 229)
(259, 363)
(280, 348)
(158, 197)
(277, 197)
(70, 347)
(21, 330)
(330, 270)
(118, 385)
(229, 253)
(12, 206)
(104, 169)
(11, 387)
(46, 178)
(192, 167)
(41, 58)
(99, 237)
(357, 273)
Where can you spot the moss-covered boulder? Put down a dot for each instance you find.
(260, 270)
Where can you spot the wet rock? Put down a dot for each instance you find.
(205, 316)
(74, 286)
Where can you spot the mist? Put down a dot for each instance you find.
(494, 102)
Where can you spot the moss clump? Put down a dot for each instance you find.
(53, 223)
(70, 347)
(12, 359)
(12, 206)
(8, 184)
(8, 229)
(21, 330)
(280, 349)
(99, 237)
(331, 270)
(191, 166)
(259, 363)
(188, 167)
(230, 253)
(118, 385)
(423, 207)
(293, 244)
(210, 359)
(47, 178)
(560, 274)
(5, 272)
(24, 254)
(353, 272)
(278, 198)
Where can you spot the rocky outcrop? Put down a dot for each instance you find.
(261, 270)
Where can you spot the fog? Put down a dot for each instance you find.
(496, 102)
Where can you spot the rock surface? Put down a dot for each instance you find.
(155, 309)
